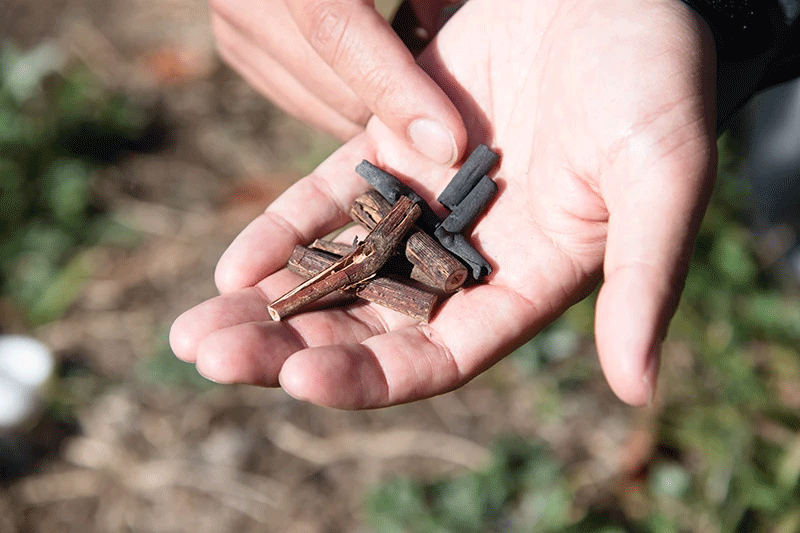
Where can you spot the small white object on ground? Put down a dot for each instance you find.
(26, 364)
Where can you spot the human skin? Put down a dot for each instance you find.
(604, 114)
(333, 63)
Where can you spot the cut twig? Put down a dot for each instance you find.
(457, 244)
(385, 291)
(433, 265)
(369, 209)
(336, 248)
(364, 261)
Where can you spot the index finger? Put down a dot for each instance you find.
(313, 207)
(361, 47)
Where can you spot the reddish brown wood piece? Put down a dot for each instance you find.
(364, 261)
(385, 291)
(433, 265)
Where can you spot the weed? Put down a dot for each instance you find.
(58, 125)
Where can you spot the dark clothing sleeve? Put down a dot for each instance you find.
(758, 46)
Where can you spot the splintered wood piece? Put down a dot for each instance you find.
(478, 164)
(336, 248)
(364, 261)
(433, 265)
(384, 291)
(369, 209)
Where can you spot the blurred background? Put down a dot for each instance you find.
(130, 156)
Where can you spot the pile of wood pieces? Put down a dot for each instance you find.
(411, 259)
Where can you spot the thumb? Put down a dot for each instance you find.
(651, 230)
(370, 58)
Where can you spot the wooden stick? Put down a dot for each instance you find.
(433, 265)
(387, 292)
(369, 209)
(336, 248)
(392, 188)
(364, 261)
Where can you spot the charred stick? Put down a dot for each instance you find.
(389, 187)
(433, 265)
(364, 261)
(477, 165)
(472, 205)
(385, 291)
(392, 188)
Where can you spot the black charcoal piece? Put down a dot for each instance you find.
(470, 207)
(391, 188)
(457, 244)
(477, 165)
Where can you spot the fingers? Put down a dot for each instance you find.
(651, 230)
(364, 356)
(360, 46)
(342, 115)
(470, 333)
(314, 206)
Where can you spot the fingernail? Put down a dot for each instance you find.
(212, 380)
(433, 140)
(650, 377)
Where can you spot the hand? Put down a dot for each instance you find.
(604, 113)
(333, 63)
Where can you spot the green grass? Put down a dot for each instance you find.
(58, 126)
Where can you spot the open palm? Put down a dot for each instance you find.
(603, 113)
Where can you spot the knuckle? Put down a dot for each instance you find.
(326, 26)
(380, 85)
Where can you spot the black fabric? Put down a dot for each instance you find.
(758, 46)
(744, 29)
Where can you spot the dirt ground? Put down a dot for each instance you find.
(138, 454)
